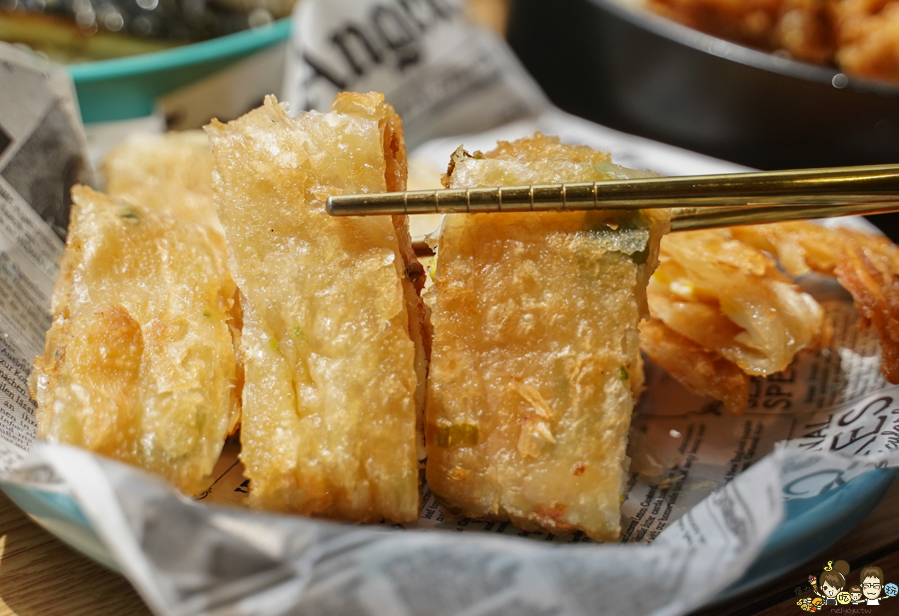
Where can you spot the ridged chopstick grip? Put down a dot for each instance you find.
(804, 188)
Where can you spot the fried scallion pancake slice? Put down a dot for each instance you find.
(536, 356)
(335, 367)
(139, 364)
(729, 298)
(866, 265)
(167, 173)
(171, 174)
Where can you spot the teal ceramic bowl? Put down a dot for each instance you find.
(128, 87)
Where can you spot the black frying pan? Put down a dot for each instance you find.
(637, 72)
(640, 73)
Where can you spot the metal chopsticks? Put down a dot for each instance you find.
(697, 201)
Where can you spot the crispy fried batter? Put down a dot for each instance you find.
(870, 273)
(731, 299)
(169, 173)
(139, 363)
(868, 37)
(332, 332)
(800, 247)
(866, 265)
(722, 310)
(717, 290)
(698, 369)
(860, 37)
(801, 27)
(396, 172)
(536, 350)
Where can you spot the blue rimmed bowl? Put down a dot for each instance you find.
(126, 88)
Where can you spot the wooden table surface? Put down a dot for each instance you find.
(41, 576)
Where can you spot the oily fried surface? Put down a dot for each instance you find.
(718, 291)
(396, 172)
(139, 363)
(868, 37)
(800, 247)
(730, 299)
(700, 370)
(536, 351)
(801, 27)
(870, 273)
(866, 265)
(169, 173)
(332, 370)
(860, 37)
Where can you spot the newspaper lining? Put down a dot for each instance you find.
(716, 483)
(42, 154)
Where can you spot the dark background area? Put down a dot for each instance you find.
(643, 75)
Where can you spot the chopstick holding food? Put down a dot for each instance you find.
(696, 201)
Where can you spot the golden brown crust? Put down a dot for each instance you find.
(536, 350)
(391, 127)
(695, 367)
(860, 37)
(800, 247)
(170, 173)
(866, 265)
(720, 302)
(872, 279)
(396, 173)
(335, 356)
(139, 363)
(730, 298)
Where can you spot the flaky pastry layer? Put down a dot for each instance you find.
(139, 363)
(536, 356)
(335, 365)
